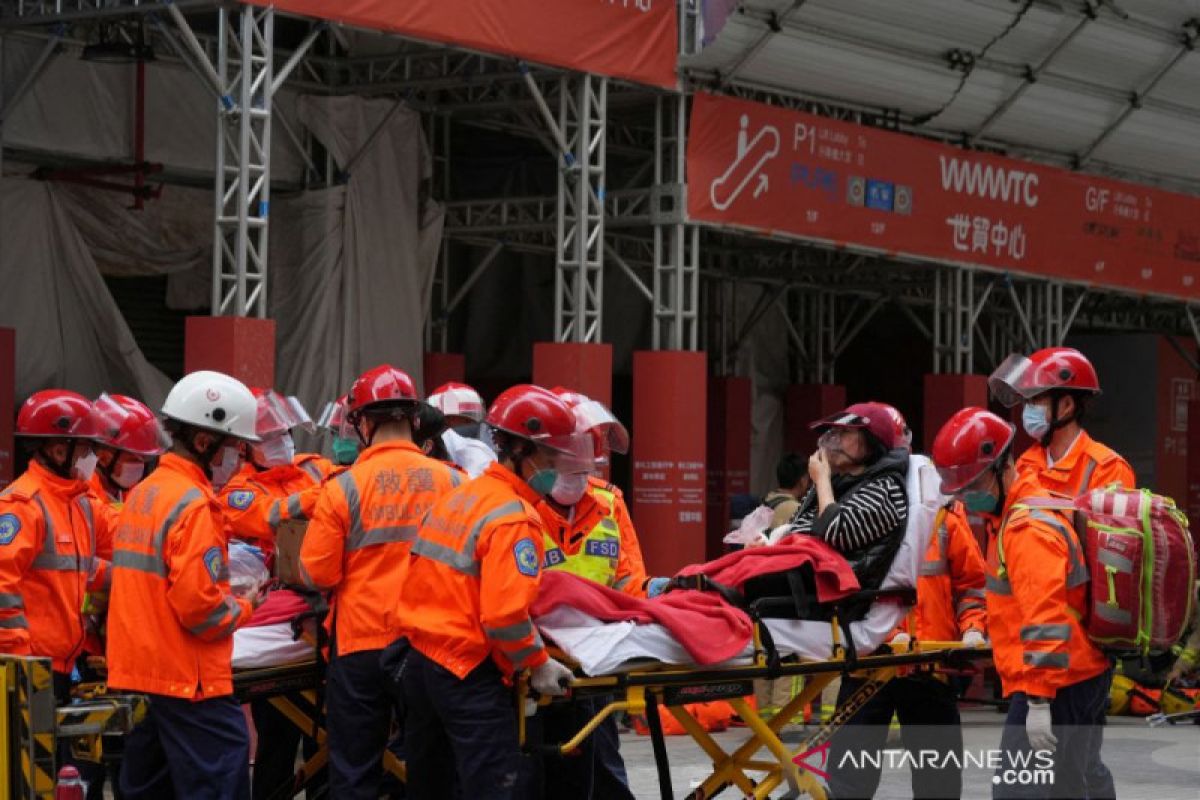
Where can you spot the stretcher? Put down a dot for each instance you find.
(645, 688)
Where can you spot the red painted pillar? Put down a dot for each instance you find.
(442, 368)
(8, 392)
(243, 347)
(1175, 390)
(583, 368)
(805, 404)
(669, 450)
(729, 425)
(946, 394)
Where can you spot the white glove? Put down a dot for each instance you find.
(901, 638)
(551, 678)
(973, 638)
(1038, 727)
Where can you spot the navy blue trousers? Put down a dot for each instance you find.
(596, 771)
(460, 735)
(1077, 713)
(197, 751)
(358, 714)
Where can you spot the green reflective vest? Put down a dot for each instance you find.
(600, 552)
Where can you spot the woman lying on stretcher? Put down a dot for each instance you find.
(858, 503)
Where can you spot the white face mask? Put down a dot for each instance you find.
(569, 489)
(84, 467)
(129, 473)
(277, 452)
(230, 461)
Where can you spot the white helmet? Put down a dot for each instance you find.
(458, 400)
(215, 402)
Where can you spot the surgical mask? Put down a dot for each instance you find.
(468, 430)
(543, 481)
(84, 467)
(129, 473)
(276, 452)
(569, 489)
(230, 461)
(345, 451)
(1035, 420)
(980, 502)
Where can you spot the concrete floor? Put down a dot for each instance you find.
(1148, 763)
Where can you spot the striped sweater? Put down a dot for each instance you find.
(876, 509)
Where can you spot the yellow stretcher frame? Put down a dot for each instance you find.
(642, 691)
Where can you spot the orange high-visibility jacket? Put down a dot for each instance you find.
(1035, 602)
(950, 585)
(171, 615)
(358, 540)
(1087, 465)
(474, 574)
(603, 501)
(256, 501)
(49, 527)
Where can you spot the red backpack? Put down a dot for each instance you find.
(1141, 562)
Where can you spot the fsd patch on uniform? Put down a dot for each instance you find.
(241, 500)
(213, 561)
(10, 526)
(525, 554)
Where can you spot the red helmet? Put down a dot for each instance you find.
(126, 424)
(968, 445)
(458, 400)
(533, 413)
(278, 414)
(1020, 379)
(595, 418)
(874, 418)
(56, 413)
(899, 425)
(383, 385)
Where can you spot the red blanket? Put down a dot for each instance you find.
(281, 605)
(834, 578)
(708, 628)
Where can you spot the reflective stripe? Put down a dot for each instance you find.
(510, 633)
(1077, 573)
(307, 580)
(294, 509)
(50, 559)
(973, 593)
(216, 616)
(999, 586)
(312, 470)
(455, 478)
(519, 658)
(933, 568)
(273, 516)
(12, 601)
(464, 560)
(1060, 632)
(1087, 476)
(386, 535)
(9, 623)
(154, 562)
(86, 507)
(621, 583)
(1115, 560)
(1114, 614)
(1036, 658)
(967, 605)
(353, 507)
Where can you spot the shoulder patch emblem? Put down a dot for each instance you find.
(525, 554)
(214, 560)
(10, 526)
(241, 500)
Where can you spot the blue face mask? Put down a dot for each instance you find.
(980, 502)
(1035, 420)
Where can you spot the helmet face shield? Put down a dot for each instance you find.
(1010, 384)
(335, 419)
(570, 454)
(593, 416)
(119, 427)
(278, 414)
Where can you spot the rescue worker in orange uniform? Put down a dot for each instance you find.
(260, 496)
(172, 615)
(950, 607)
(130, 440)
(49, 525)
(1056, 679)
(1054, 387)
(357, 547)
(270, 489)
(472, 579)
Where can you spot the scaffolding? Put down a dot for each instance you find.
(630, 222)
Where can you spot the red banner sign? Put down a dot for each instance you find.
(769, 169)
(635, 40)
